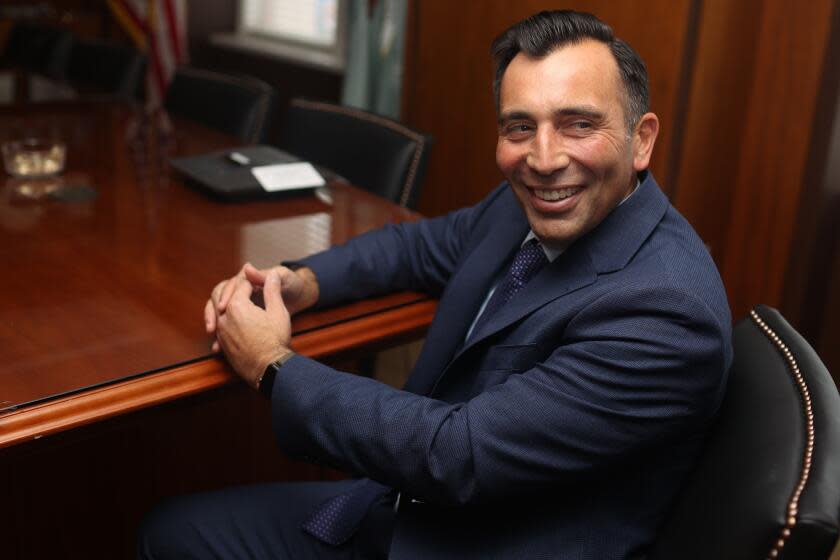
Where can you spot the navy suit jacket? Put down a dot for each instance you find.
(566, 425)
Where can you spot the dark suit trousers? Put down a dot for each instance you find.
(261, 521)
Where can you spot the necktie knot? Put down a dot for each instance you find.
(527, 262)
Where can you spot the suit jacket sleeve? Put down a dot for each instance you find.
(635, 368)
(419, 256)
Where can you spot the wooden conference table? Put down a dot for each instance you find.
(105, 270)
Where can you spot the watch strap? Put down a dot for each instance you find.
(265, 384)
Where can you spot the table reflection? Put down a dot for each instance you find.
(108, 266)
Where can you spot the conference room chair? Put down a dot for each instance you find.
(238, 105)
(768, 481)
(369, 150)
(40, 49)
(100, 67)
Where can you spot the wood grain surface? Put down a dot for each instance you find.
(104, 295)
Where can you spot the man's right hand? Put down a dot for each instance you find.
(299, 289)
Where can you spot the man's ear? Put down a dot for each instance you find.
(644, 137)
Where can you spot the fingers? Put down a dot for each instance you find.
(216, 294)
(272, 294)
(254, 275)
(240, 286)
(275, 307)
(210, 317)
(240, 289)
(238, 302)
(228, 289)
(210, 307)
(224, 298)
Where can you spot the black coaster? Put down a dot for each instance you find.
(74, 193)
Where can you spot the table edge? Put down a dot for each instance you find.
(64, 413)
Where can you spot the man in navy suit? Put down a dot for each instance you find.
(578, 355)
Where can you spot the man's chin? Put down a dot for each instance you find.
(556, 238)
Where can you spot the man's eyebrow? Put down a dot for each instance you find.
(513, 116)
(586, 111)
(580, 111)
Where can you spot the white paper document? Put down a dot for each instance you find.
(287, 176)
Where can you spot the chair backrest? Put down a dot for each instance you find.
(38, 48)
(767, 484)
(371, 151)
(106, 68)
(238, 105)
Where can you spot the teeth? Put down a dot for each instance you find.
(559, 194)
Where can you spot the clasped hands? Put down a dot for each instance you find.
(251, 336)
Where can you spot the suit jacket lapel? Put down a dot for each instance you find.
(466, 291)
(622, 233)
(570, 271)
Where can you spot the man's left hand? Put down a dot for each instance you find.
(252, 337)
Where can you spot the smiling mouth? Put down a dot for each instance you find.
(553, 195)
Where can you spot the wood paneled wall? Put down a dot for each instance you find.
(771, 123)
(812, 300)
(745, 92)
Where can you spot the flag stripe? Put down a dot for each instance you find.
(158, 28)
(131, 9)
(157, 79)
(128, 18)
(174, 31)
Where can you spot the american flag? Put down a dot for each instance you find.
(157, 27)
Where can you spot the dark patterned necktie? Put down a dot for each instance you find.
(338, 518)
(528, 261)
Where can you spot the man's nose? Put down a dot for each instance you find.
(547, 153)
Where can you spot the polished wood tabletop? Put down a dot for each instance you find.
(106, 269)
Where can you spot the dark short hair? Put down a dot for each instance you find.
(542, 33)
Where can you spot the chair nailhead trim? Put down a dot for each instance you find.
(408, 186)
(808, 413)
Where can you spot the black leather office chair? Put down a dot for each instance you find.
(371, 151)
(768, 482)
(238, 105)
(96, 66)
(38, 48)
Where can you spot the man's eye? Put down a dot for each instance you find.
(582, 125)
(517, 129)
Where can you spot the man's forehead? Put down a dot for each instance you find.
(588, 62)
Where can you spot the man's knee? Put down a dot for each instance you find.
(259, 521)
(168, 531)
